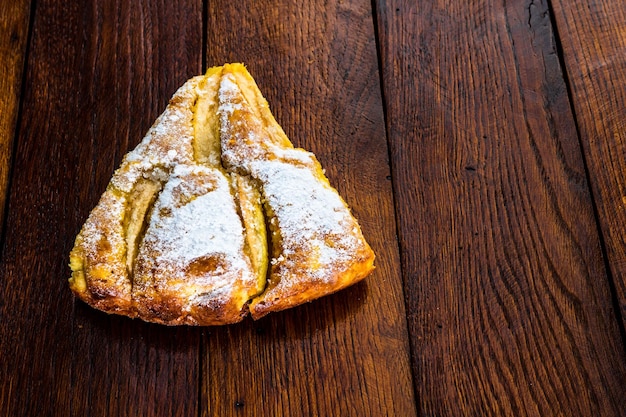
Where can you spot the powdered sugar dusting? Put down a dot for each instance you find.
(248, 137)
(167, 143)
(104, 229)
(313, 220)
(240, 142)
(315, 224)
(195, 222)
(193, 252)
(228, 94)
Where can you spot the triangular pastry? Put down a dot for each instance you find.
(179, 236)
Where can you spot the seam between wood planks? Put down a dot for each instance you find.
(205, 36)
(609, 273)
(16, 128)
(379, 56)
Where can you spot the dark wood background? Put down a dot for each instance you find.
(481, 145)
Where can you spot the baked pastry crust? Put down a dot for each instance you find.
(317, 245)
(166, 241)
(179, 236)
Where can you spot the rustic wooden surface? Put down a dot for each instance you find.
(511, 314)
(594, 40)
(479, 143)
(94, 84)
(338, 356)
(14, 24)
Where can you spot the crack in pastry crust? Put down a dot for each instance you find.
(180, 234)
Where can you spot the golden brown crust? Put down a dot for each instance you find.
(120, 263)
(179, 236)
(191, 260)
(98, 259)
(299, 292)
(317, 245)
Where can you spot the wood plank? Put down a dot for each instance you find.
(593, 41)
(508, 300)
(99, 74)
(346, 354)
(14, 20)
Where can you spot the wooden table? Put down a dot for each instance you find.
(481, 145)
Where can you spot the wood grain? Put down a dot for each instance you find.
(503, 218)
(593, 37)
(99, 74)
(507, 296)
(347, 354)
(14, 19)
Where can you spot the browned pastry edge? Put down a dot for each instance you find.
(262, 305)
(111, 291)
(254, 143)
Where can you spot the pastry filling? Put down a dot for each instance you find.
(140, 203)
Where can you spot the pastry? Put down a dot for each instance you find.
(317, 246)
(179, 235)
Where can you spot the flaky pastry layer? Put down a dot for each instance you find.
(215, 214)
